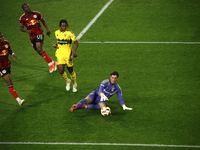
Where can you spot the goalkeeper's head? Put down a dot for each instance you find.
(113, 77)
(114, 73)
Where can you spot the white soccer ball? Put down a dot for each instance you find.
(106, 111)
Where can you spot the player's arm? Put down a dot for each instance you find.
(25, 30)
(101, 89)
(46, 26)
(10, 51)
(75, 48)
(121, 99)
(75, 41)
(55, 45)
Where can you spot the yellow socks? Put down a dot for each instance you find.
(64, 76)
(73, 77)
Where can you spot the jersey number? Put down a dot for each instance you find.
(40, 37)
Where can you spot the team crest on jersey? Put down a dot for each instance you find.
(113, 89)
(4, 71)
(65, 35)
(6, 46)
(35, 16)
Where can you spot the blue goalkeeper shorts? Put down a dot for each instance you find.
(95, 98)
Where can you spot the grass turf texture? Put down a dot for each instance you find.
(160, 81)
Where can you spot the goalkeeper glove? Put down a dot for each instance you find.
(126, 108)
(103, 97)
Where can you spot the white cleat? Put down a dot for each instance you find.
(75, 88)
(21, 102)
(68, 85)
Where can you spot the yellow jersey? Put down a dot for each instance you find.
(64, 41)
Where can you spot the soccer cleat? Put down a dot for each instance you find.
(68, 85)
(51, 67)
(21, 102)
(73, 108)
(54, 66)
(75, 87)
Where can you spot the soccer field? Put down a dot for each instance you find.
(153, 44)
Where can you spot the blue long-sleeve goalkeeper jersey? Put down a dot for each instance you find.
(110, 89)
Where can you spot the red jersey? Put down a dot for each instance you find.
(4, 54)
(32, 22)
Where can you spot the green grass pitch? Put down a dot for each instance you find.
(159, 81)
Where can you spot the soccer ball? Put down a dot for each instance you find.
(105, 111)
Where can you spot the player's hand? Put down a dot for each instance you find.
(28, 31)
(75, 55)
(55, 45)
(48, 32)
(103, 97)
(126, 108)
(14, 56)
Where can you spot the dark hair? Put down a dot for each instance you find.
(24, 4)
(114, 73)
(63, 21)
(1, 33)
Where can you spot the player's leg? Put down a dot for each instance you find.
(61, 69)
(52, 64)
(37, 45)
(61, 63)
(93, 106)
(102, 104)
(8, 80)
(83, 103)
(96, 104)
(73, 78)
(42, 52)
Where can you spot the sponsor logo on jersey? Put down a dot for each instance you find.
(32, 22)
(3, 52)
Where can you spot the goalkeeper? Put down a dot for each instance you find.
(98, 98)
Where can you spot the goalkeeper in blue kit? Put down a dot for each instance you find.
(97, 99)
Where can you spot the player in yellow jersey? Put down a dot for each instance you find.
(65, 54)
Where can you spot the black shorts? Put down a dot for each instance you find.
(4, 71)
(39, 38)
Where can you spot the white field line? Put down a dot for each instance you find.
(94, 19)
(118, 42)
(105, 144)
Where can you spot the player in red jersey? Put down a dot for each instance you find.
(5, 67)
(31, 20)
